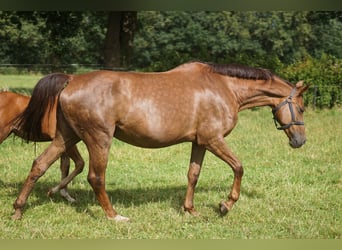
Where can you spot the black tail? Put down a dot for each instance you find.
(43, 97)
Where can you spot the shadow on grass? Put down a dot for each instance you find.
(174, 194)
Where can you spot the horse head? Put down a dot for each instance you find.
(289, 113)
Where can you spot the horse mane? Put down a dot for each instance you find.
(241, 71)
(42, 100)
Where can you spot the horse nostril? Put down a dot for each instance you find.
(302, 141)
(297, 142)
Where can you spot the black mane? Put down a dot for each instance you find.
(241, 71)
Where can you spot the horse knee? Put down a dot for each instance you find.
(193, 174)
(38, 169)
(238, 170)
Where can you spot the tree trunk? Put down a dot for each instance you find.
(112, 55)
(128, 27)
(118, 46)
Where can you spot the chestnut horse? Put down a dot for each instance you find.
(11, 106)
(195, 102)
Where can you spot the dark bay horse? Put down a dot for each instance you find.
(11, 106)
(195, 102)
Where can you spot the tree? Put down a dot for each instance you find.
(56, 38)
(268, 39)
(163, 40)
(118, 45)
(60, 29)
(112, 57)
(20, 39)
(327, 26)
(63, 38)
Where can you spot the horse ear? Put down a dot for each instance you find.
(301, 88)
(299, 84)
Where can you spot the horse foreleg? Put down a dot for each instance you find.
(220, 149)
(39, 167)
(197, 155)
(74, 154)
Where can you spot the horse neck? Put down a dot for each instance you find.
(257, 93)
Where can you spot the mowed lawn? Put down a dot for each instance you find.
(286, 193)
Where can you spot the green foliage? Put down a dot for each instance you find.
(324, 75)
(267, 39)
(21, 41)
(54, 38)
(220, 37)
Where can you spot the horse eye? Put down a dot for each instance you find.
(300, 110)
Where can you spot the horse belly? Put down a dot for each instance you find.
(156, 122)
(153, 133)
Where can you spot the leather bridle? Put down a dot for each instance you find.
(290, 102)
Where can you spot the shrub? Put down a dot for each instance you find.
(324, 75)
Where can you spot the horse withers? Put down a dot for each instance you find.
(195, 102)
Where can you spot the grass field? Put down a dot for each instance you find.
(286, 193)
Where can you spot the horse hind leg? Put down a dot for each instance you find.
(74, 154)
(221, 150)
(196, 160)
(39, 167)
(65, 139)
(98, 158)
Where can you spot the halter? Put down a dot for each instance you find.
(288, 101)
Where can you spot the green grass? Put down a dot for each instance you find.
(19, 83)
(286, 193)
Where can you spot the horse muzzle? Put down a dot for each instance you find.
(297, 141)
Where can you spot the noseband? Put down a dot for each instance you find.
(288, 101)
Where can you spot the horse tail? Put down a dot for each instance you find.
(43, 98)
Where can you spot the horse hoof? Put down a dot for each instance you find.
(67, 196)
(119, 218)
(195, 213)
(192, 212)
(17, 215)
(223, 209)
(50, 193)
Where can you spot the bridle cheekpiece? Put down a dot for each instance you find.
(290, 102)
